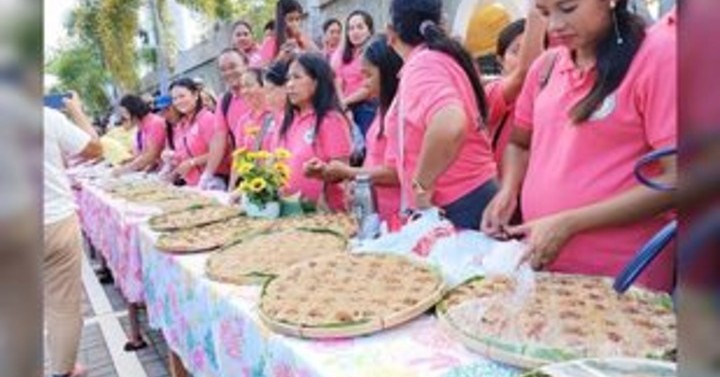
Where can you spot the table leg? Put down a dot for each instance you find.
(177, 369)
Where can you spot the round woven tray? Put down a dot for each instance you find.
(354, 324)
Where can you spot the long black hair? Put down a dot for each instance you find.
(276, 73)
(614, 55)
(349, 49)
(388, 62)
(418, 21)
(135, 105)
(508, 35)
(282, 8)
(324, 100)
(193, 87)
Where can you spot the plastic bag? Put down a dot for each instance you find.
(417, 237)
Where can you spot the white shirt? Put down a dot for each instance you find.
(61, 138)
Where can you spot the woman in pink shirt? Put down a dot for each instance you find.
(251, 130)
(346, 62)
(314, 130)
(150, 136)
(442, 150)
(192, 134)
(588, 111)
(288, 38)
(332, 36)
(519, 44)
(380, 67)
(243, 41)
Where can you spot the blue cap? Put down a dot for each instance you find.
(162, 102)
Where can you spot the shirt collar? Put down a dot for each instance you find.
(565, 62)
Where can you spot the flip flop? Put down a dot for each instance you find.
(131, 347)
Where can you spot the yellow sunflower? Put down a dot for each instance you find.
(245, 167)
(244, 187)
(262, 155)
(282, 169)
(240, 152)
(257, 185)
(282, 154)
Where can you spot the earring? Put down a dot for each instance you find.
(619, 39)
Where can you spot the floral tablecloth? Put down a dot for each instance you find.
(215, 330)
(111, 225)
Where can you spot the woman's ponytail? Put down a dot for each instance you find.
(436, 40)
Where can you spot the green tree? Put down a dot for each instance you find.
(78, 68)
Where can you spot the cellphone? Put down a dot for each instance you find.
(56, 101)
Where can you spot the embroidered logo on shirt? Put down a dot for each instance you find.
(309, 136)
(606, 108)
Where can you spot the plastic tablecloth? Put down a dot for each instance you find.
(215, 330)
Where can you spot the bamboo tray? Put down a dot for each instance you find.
(368, 324)
(263, 255)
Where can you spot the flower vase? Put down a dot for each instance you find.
(270, 210)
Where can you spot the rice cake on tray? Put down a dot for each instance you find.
(349, 295)
(263, 256)
(192, 218)
(211, 236)
(563, 317)
(340, 223)
(180, 204)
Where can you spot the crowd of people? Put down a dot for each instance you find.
(544, 152)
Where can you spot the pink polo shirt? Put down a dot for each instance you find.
(152, 132)
(238, 109)
(350, 74)
(251, 120)
(255, 57)
(193, 140)
(332, 142)
(429, 82)
(388, 198)
(500, 120)
(573, 166)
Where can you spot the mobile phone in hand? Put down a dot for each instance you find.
(56, 101)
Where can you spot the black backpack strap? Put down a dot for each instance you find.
(169, 134)
(548, 67)
(225, 107)
(498, 132)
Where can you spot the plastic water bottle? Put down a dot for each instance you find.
(364, 208)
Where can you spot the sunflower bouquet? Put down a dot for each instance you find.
(262, 174)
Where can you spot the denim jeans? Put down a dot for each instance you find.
(466, 212)
(364, 114)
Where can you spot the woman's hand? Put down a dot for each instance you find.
(545, 238)
(184, 167)
(498, 213)
(336, 171)
(314, 168)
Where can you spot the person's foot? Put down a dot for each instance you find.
(79, 371)
(135, 345)
(105, 276)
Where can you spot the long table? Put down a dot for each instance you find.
(214, 328)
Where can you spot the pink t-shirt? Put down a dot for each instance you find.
(267, 49)
(430, 81)
(388, 198)
(152, 132)
(501, 118)
(255, 57)
(573, 166)
(350, 74)
(332, 142)
(251, 121)
(193, 140)
(238, 108)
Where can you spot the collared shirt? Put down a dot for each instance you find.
(576, 165)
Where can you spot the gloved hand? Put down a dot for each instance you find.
(211, 182)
